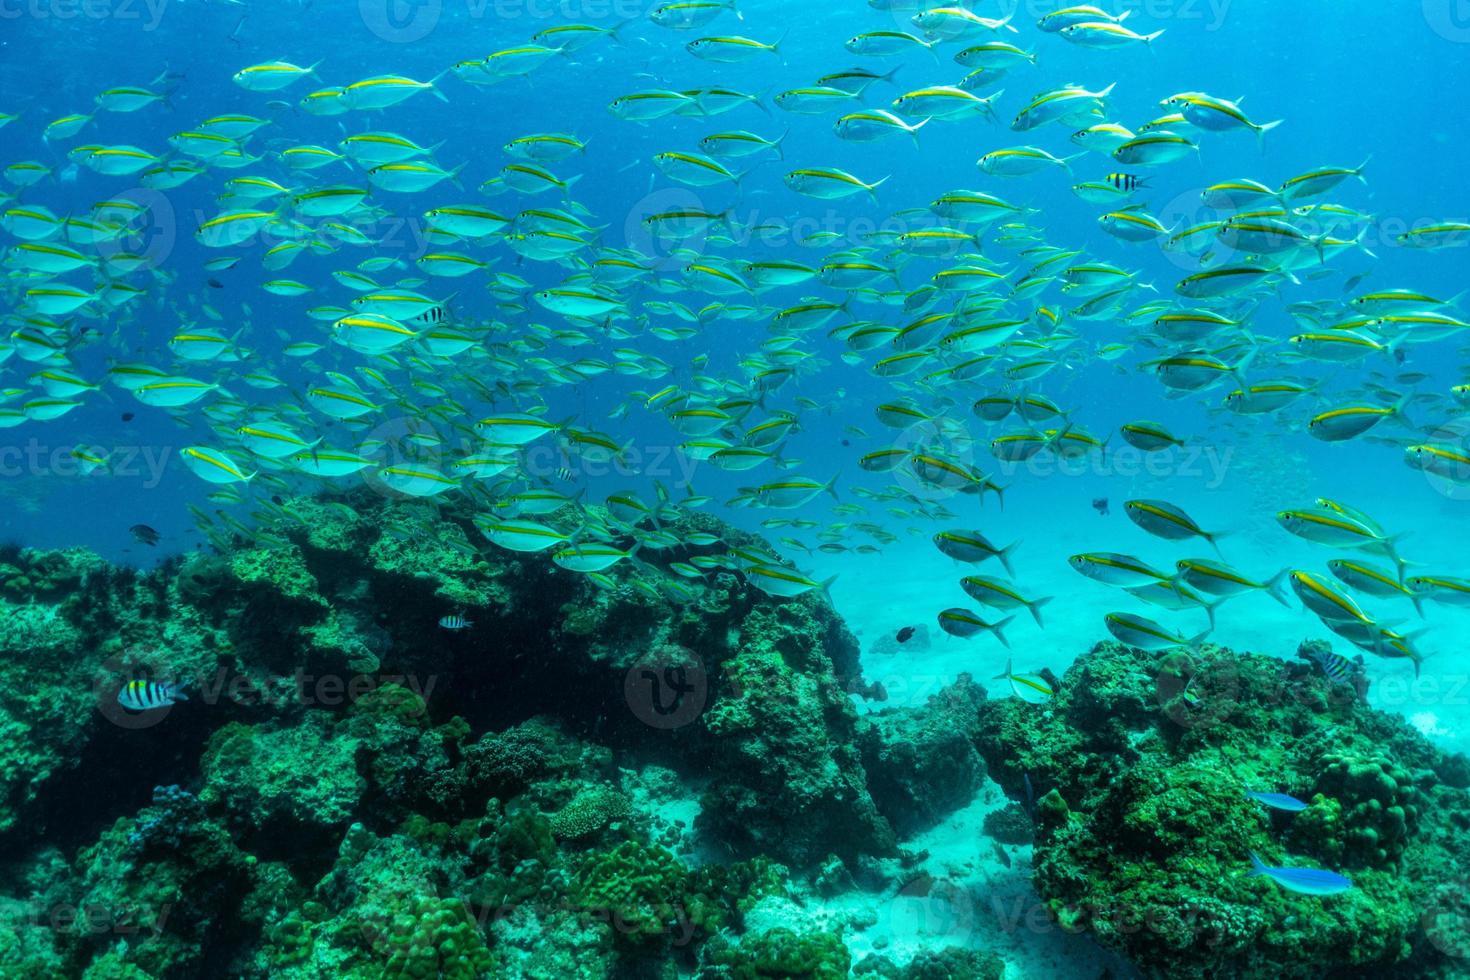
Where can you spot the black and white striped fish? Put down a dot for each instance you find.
(455, 622)
(148, 695)
(433, 315)
(1339, 669)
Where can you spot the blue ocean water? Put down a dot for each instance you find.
(1293, 63)
(1354, 85)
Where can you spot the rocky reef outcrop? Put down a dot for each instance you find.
(1137, 774)
(591, 778)
(606, 777)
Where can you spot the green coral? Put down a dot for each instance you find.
(1144, 828)
(949, 963)
(920, 762)
(642, 893)
(281, 570)
(299, 776)
(383, 836)
(434, 939)
(591, 810)
(778, 952)
(793, 785)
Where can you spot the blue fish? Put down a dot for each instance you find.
(1278, 801)
(1304, 881)
(148, 695)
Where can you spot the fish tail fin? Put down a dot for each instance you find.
(914, 130)
(434, 85)
(1004, 555)
(1358, 241)
(1390, 548)
(1274, 587)
(888, 75)
(999, 630)
(989, 105)
(831, 486)
(1149, 39)
(1066, 162)
(1258, 867)
(1000, 492)
(826, 584)
(613, 31)
(875, 185)
(1035, 607)
(1194, 641)
(1007, 673)
(1238, 371)
(1418, 601)
(1265, 128)
(776, 144)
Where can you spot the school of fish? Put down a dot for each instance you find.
(436, 374)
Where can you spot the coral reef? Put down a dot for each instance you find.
(921, 762)
(351, 791)
(596, 779)
(1144, 828)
